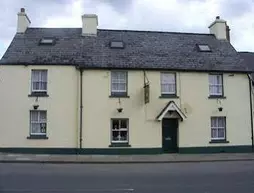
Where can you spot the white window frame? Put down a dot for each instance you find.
(218, 127)
(40, 121)
(40, 80)
(117, 80)
(163, 82)
(217, 84)
(119, 130)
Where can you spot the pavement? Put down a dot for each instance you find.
(161, 158)
(206, 177)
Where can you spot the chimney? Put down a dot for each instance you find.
(89, 24)
(23, 21)
(220, 29)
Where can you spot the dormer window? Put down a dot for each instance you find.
(116, 44)
(203, 48)
(47, 41)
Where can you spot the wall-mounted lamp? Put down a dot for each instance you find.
(220, 109)
(36, 106)
(119, 109)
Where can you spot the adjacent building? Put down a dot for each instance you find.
(99, 91)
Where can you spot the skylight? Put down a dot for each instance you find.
(203, 48)
(116, 44)
(47, 41)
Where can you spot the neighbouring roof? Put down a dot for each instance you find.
(249, 60)
(142, 50)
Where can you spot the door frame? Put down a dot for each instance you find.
(177, 135)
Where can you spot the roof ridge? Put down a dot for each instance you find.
(128, 30)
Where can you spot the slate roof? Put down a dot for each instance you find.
(249, 60)
(143, 50)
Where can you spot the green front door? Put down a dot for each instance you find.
(169, 135)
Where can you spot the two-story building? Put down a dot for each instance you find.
(99, 91)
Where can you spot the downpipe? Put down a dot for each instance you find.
(81, 111)
(251, 111)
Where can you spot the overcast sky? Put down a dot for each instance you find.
(159, 15)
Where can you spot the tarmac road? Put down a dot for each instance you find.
(207, 177)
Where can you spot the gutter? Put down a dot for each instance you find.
(81, 109)
(251, 111)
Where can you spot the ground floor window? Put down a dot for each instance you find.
(119, 130)
(38, 122)
(218, 128)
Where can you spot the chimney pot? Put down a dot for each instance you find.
(22, 10)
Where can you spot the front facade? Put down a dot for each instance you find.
(114, 99)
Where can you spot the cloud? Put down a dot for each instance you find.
(165, 15)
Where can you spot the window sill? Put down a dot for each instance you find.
(119, 145)
(219, 141)
(37, 137)
(165, 96)
(38, 94)
(119, 96)
(216, 97)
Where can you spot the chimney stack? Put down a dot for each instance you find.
(23, 21)
(220, 29)
(89, 24)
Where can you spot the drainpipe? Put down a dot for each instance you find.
(251, 111)
(81, 109)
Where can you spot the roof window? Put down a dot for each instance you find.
(47, 41)
(203, 48)
(116, 44)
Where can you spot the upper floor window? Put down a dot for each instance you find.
(168, 83)
(39, 80)
(119, 83)
(215, 85)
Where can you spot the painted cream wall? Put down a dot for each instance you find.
(61, 106)
(145, 131)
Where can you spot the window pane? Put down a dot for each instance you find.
(221, 133)
(122, 87)
(43, 85)
(36, 85)
(213, 122)
(123, 135)
(34, 116)
(167, 78)
(219, 89)
(35, 128)
(43, 116)
(218, 79)
(123, 124)
(221, 122)
(114, 86)
(44, 76)
(115, 124)
(214, 133)
(115, 135)
(35, 75)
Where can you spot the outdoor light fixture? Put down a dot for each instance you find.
(36, 106)
(220, 109)
(120, 109)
